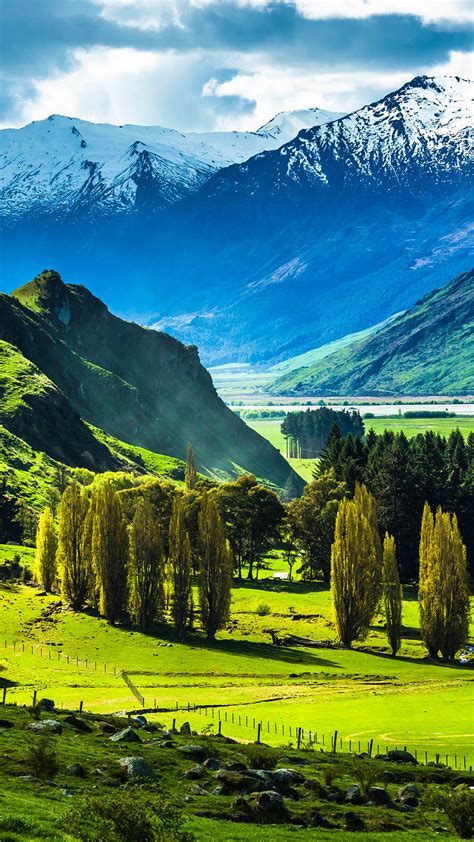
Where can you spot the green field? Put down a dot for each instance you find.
(364, 693)
(269, 428)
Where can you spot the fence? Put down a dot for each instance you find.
(53, 654)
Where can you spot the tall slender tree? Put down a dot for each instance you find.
(46, 544)
(392, 593)
(73, 567)
(180, 568)
(109, 550)
(356, 573)
(191, 473)
(215, 569)
(146, 566)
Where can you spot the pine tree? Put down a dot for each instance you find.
(180, 568)
(146, 566)
(190, 474)
(73, 567)
(392, 592)
(355, 567)
(45, 558)
(109, 550)
(443, 594)
(215, 569)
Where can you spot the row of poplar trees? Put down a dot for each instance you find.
(364, 575)
(96, 559)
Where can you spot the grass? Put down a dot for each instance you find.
(364, 693)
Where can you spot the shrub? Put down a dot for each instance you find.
(125, 817)
(364, 772)
(260, 757)
(42, 757)
(263, 609)
(458, 804)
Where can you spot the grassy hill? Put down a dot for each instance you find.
(429, 350)
(67, 363)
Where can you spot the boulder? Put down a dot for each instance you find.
(77, 723)
(164, 743)
(353, 822)
(270, 806)
(236, 766)
(315, 819)
(5, 723)
(353, 794)
(126, 735)
(137, 767)
(195, 773)
(379, 796)
(398, 756)
(45, 726)
(195, 752)
(46, 704)
(410, 795)
(292, 777)
(213, 764)
(77, 770)
(141, 721)
(195, 789)
(242, 808)
(185, 729)
(106, 727)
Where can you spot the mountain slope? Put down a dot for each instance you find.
(428, 350)
(64, 166)
(138, 385)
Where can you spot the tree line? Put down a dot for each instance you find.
(306, 432)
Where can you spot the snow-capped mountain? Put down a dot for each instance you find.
(64, 164)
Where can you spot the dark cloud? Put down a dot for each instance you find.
(39, 38)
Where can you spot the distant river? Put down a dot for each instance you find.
(376, 409)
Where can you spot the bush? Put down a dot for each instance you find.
(125, 817)
(263, 609)
(458, 804)
(365, 773)
(260, 757)
(41, 757)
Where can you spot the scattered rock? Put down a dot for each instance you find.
(236, 766)
(410, 795)
(213, 764)
(315, 819)
(5, 723)
(77, 770)
(398, 756)
(45, 726)
(141, 721)
(185, 729)
(196, 752)
(126, 735)
(271, 806)
(106, 727)
(353, 794)
(242, 808)
(78, 724)
(353, 822)
(164, 743)
(379, 796)
(137, 767)
(195, 773)
(46, 704)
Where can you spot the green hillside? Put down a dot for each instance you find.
(427, 350)
(67, 366)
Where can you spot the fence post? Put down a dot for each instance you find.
(371, 744)
(259, 728)
(34, 697)
(81, 705)
(219, 730)
(299, 738)
(334, 747)
(4, 696)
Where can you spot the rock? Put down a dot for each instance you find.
(195, 773)
(315, 819)
(353, 822)
(379, 796)
(336, 796)
(185, 729)
(241, 806)
(232, 782)
(46, 704)
(410, 795)
(141, 721)
(45, 726)
(66, 792)
(5, 723)
(150, 729)
(213, 764)
(235, 767)
(287, 777)
(398, 756)
(30, 778)
(271, 806)
(126, 735)
(353, 794)
(137, 767)
(77, 770)
(78, 724)
(390, 777)
(219, 790)
(315, 787)
(106, 728)
(197, 790)
(164, 743)
(196, 752)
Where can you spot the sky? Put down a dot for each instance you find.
(206, 65)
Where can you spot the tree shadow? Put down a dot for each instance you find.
(406, 659)
(280, 586)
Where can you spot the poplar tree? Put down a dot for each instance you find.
(392, 593)
(180, 568)
(109, 550)
(190, 473)
(355, 566)
(146, 567)
(215, 569)
(444, 585)
(45, 558)
(73, 567)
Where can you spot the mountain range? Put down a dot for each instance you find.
(338, 228)
(80, 384)
(429, 350)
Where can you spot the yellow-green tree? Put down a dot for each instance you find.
(444, 585)
(215, 568)
(190, 473)
(356, 574)
(109, 550)
(146, 566)
(392, 593)
(180, 568)
(45, 557)
(73, 566)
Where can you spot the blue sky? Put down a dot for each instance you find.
(211, 64)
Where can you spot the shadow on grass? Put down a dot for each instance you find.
(405, 659)
(280, 586)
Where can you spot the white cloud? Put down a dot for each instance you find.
(459, 11)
